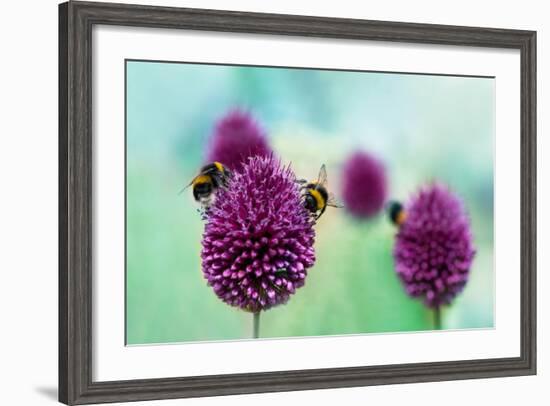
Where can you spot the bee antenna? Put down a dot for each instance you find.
(182, 190)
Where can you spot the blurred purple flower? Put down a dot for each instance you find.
(434, 249)
(236, 137)
(364, 185)
(258, 239)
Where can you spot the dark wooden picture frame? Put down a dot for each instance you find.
(76, 20)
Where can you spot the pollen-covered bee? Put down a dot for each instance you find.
(396, 213)
(316, 195)
(211, 177)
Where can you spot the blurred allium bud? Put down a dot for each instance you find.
(236, 137)
(258, 239)
(364, 185)
(433, 248)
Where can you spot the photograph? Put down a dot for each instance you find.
(283, 202)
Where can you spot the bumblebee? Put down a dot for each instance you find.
(396, 213)
(211, 177)
(316, 195)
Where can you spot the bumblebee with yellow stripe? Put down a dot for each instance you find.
(316, 195)
(396, 213)
(211, 177)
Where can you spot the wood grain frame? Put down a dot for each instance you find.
(76, 20)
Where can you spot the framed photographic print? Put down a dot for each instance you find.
(258, 202)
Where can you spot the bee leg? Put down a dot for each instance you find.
(321, 213)
(204, 214)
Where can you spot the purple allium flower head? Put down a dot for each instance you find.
(236, 137)
(258, 239)
(433, 248)
(364, 185)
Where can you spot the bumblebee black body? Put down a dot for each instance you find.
(201, 189)
(315, 198)
(211, 177)
(396, 213)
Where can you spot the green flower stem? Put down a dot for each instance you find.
(437, 318)
(256, 325)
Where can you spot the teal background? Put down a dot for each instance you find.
(424, 128)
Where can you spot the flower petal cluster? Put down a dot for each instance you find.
(258, 239)
(364, 185)
(433, 249)
(236, 137)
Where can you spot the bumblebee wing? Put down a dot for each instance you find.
(221, 180)
(322, 178)
(333, 202)
(220, 176)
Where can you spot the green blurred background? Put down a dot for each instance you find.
(424, 127)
